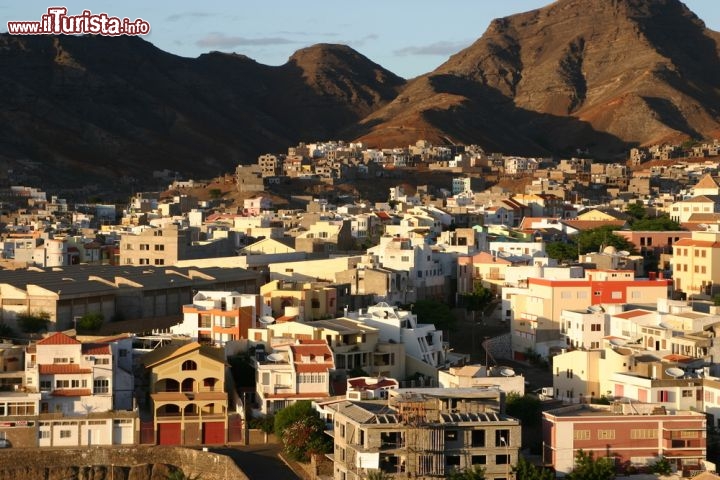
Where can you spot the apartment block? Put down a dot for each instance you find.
(424, 434)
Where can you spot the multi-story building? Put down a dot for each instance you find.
(303, 300)
(424, 433)
(637, 433)
(536, 310)
(414, 255)
(296, 371)
(72, 377)
(425, 349)
(187, 389)
(696, 263)
(168, 245)
(220, 317)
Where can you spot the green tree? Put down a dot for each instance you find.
(562, 251)
(33, 323)
(291, 414)
(215, 193)
(661, 223)
(527, 409)
(587, 467)
(305, 437)
(475, 472)
(478, 299)
(90, 322)
(596, 238)
(525, 470)
(6, 330)
(636, 210)
(437, 313)
(662, 466)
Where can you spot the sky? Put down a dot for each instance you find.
(408, 37)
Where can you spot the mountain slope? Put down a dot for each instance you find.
(603, 74)
(119, 106)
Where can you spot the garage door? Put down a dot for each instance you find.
(169, 434)
(213, 433)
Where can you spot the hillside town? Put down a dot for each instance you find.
(411, 322)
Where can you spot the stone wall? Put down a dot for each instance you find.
(134, 463)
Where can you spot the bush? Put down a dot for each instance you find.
(90, 322)
(33, 323)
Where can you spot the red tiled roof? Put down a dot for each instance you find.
(297, 395)
(674, 357)
(72, 392)
(689, 242)
(361, 383)
(286, 318)
(96, 349)
(62, 368)
(383, 215)
(58, 338)
(312, 349)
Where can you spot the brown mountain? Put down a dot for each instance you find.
(106, 107)
(604, 74)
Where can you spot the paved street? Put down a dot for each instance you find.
(259, 461)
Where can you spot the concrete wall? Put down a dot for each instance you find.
(192, 462)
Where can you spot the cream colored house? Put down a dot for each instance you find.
(295, 371)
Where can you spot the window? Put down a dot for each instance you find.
(502, 459)
(643, 433)
(123, 352)
(160, 248)
(144, 246)
(101, 385)
(606, 434)
(189, 365)
(159, 261)
(478, 460)
(452, 460)
(451, 435)
(687, 393)
(45, 385)
(65, 433)
(43, 434)
(502, 437)
(581, 435)
(597, 293)
(616, 295)
(569, 373)
(404, 258)
(62, 384)
(663, 396)
(595, 327)
(477, 438)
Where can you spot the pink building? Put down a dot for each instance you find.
(636, 433)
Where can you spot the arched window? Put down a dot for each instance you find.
(188, 385)
(189, 365)
(209, 384)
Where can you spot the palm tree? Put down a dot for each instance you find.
(377, 475)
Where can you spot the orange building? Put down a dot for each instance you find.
(187, 388)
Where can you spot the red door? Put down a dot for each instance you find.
(169, 434)
(213, 433)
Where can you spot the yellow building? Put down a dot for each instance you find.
(187, 388)
(696, 263)
(306, 301)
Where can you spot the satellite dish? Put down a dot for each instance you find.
(618, 342)
(507, 372)
(266, 320)
(623, 253)
(675, 372)
(595, 309)
(275, 357)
